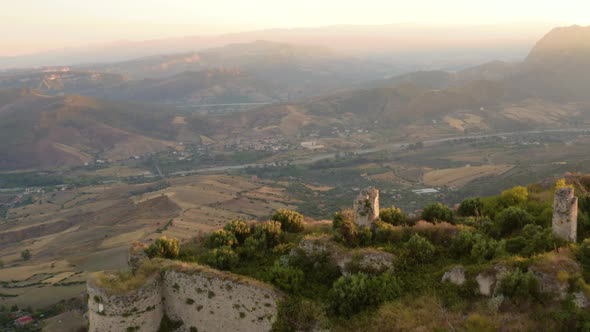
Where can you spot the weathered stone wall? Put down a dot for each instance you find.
(565, 214)
(210, 303)
(141, 309)
(366, 206)
(200, 297)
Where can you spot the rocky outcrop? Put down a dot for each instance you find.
(487, 281)
(312, 245)
(198, 297)
(365, 260)
(366, 206)
(581, 300)
(349, 261)
(455, 276)
(565, 214)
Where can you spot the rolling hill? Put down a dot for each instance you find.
(40, 131)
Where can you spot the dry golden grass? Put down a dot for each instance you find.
(458, 177)
(122, 282)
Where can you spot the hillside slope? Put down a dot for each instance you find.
(44, 131)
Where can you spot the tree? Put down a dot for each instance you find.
(514, 196)
(239, 228)
(164, 248)
(25, 254)
(419, 249)
(345, 228)
(221, 238)
(437, 212)
(485, 248)
(291, 221)
(393, 215)
(471, 207)
(512, 219)
(268, 233)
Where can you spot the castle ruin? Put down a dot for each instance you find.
(565, 214)
(366, 206)
(198, 298)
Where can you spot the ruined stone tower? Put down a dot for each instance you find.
(366, 206)
(565, 214)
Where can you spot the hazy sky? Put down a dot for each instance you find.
(32, 25)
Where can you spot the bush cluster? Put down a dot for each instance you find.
(437, 212)
(353, 293)
(291, 221)
(164, 248)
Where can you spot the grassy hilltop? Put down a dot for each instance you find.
(414, 273)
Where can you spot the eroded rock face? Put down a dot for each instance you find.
(565, 214)
(488, 281)
(366, 206)
(455, 276)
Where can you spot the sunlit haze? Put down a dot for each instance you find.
(34, 25)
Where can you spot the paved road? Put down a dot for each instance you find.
(391, 146)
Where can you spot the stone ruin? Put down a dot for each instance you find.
(366, 206)
(565, 214)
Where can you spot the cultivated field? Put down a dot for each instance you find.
(458, 177)
(73, 232)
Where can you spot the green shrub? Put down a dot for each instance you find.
(286, 277)
(386, 233)
(471, 207)
(353, 293)
(519, 285)
(419, 249)
(462, 244)
(221, 238)
(223, 258)
(318, 268)
(25, 254)
(348, 233)
(164, 248)
(268, 233)
(393, 215)
(538, 240)
(296, 314)
(514, 196)
(345, 228)
(365, 236)
(291, 221)
(584, 254)
(437, 212)
(512, 219)
(485, 249)
(239, 228)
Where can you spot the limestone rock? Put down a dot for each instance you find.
(488, 280)
(565, 214)
(312, 245)
(366, 206)
(455, 276)
(581, 300)
(365, 260)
